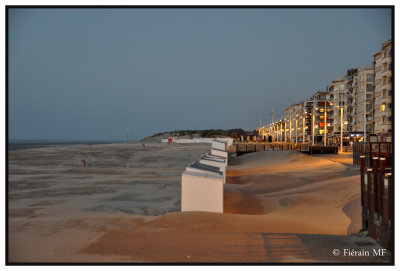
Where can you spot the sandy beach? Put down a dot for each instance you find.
(124, 206)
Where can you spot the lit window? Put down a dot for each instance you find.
(383, 107)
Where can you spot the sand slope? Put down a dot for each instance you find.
(281, 192)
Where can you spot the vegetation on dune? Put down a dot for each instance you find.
(210, 133)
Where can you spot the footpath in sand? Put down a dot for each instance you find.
(279, 206)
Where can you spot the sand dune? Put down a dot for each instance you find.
(113, 211)
(261, 196)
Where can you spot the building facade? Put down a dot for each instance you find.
(382, 98)
(361, 116)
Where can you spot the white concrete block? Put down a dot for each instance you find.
(217, 158)
(202, 192)
(201, 167)
(219, 153)
(218, 145)
(228, 140)
(217, 164)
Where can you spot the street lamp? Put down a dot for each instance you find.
(325, 124)
(341, 129)
(285, 132)
(313, 128)
(365, 115)
(290, 125)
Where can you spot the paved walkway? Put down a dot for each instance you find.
(276, 247)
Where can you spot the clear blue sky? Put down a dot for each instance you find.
(101, 73)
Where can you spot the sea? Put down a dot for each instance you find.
(29, 144)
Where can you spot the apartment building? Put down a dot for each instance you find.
(360, 108)
(306, 122)
(293, 116)
(322, 118)
(382, 98)
(336, 94)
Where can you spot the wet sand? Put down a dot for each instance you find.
(129, 212)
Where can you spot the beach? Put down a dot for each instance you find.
(124, 206)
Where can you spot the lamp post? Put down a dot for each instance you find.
(285, 132)
(325, 125)
(313, 128)
(290, 125)
(341, 129)
(296, 130)
(365, 116)
(273, 132)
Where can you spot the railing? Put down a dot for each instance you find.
(243, 148)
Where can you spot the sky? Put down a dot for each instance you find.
(98, 74)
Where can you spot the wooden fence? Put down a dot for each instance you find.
(377, 199)
(371, 150)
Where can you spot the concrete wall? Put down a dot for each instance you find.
(202, 192)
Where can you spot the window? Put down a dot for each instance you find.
(370, 87)
(383, 107)
(370, 77)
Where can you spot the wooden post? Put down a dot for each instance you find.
(362, 167)
(362, 163)
(381, 177)
(375, 183)
(390, 196)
